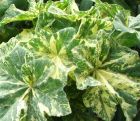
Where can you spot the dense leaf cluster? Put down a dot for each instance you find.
(71, 64)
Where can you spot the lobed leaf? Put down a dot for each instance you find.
(30, 84)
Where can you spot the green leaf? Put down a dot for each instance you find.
(73, 6)
(128, 28)
(56, 11)
(117, 89)
(101, 102)
(56, 48)
(128, 92)
(120, 2)
(4, 4)
(88, 57)
(13, 14)
(66, 46)
(123, 60)
(29, 83)
(107, 63)
(104, 9)
(85, 5)
(93, 25)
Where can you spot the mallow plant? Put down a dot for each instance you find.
(70, 65)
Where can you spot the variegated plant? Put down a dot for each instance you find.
(67, 65)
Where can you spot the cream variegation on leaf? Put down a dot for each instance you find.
(28, 89)
(40, 66)
(102, 61)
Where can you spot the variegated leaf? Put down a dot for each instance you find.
(126, 89)
(123, 60)
(56, 48)
(127, 27)
(13, 14)
(104, 8)
(117, 89)
(28, 85)
(88, 57)
(107, 62)
(101, 102)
